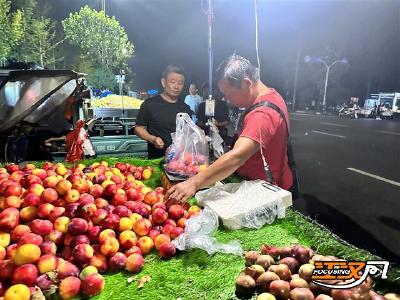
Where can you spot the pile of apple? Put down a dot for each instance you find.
(186, 164)
(285, 273)
(60, 227)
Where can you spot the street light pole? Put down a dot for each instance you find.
(328, 67)
(296, 71)
(103, 6)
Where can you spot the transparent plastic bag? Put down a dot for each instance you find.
(189, 150)
(249, 204)
(198, 234)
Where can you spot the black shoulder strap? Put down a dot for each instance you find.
(266, 104)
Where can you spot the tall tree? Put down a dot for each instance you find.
(11, 29)
(39, 39)
(100, 38)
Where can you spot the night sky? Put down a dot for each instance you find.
(365, 32)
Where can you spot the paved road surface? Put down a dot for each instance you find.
(350, 178)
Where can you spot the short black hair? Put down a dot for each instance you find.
(235, 69)
(173, 68)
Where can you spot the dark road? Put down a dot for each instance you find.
(350, 178)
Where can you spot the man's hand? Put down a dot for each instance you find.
(158, 143)
(179, 193)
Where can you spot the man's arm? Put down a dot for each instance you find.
(223, 167)
(142, 132)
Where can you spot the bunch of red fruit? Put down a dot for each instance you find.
(64, 226)
(186, 165)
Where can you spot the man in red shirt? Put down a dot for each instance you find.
(264, 133)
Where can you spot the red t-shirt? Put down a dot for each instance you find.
(265, 126)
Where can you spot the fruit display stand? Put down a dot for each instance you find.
(196, 275)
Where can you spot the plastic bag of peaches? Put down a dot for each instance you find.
(188, 153)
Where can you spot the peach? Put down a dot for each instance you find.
(13, 190)
(41, 227)
(7, 268)
(17, 292)
(47, 263)
(142, 227)
(11, 250)
(56, 213)
(181, 223)
(66, 269)
(71, 210)
(49, 195)
(175, 232)
(9, 219)
(167, 250)
(81, 239)
(127, 239)
(31, 199)
(146, 174)
(77, 226)
(151, 198)
(154, 233)
(132, 194)
(17, 233)
(96, 190)
(111, 221)
(36, 189)
(161, 239)
(194, 210)
(71, 196)
(12, 201)
(134, 217)
(63, 186)
(168, 228)
(92, 285)
(98, 216)
(134, 249)
(175, 211)
(106, 234)
(48, 248)
(2, 253)
(30, 238)
(61, 224)
(28, 213)
(159, 216)
(81, 186)
(69, 287)
(117, 262)
(5, 239)
(109, 247)
(54, 236)
(27, 254)
(44, 210)
(134, 263)
(93, 234)
(61, 169)
(146, 244)
(82, 254)
(125, 224)
(119, 199)
(25, 274)
(50, 181)
(87, 271)
(101, 203)
(100, 262)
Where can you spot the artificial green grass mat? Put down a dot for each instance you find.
(196, 275)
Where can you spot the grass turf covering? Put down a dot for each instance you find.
(196, 275)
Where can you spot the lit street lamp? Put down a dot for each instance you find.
(319, 60)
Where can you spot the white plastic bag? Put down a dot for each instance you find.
(198, 234)
(189, 150)
(248, 204)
